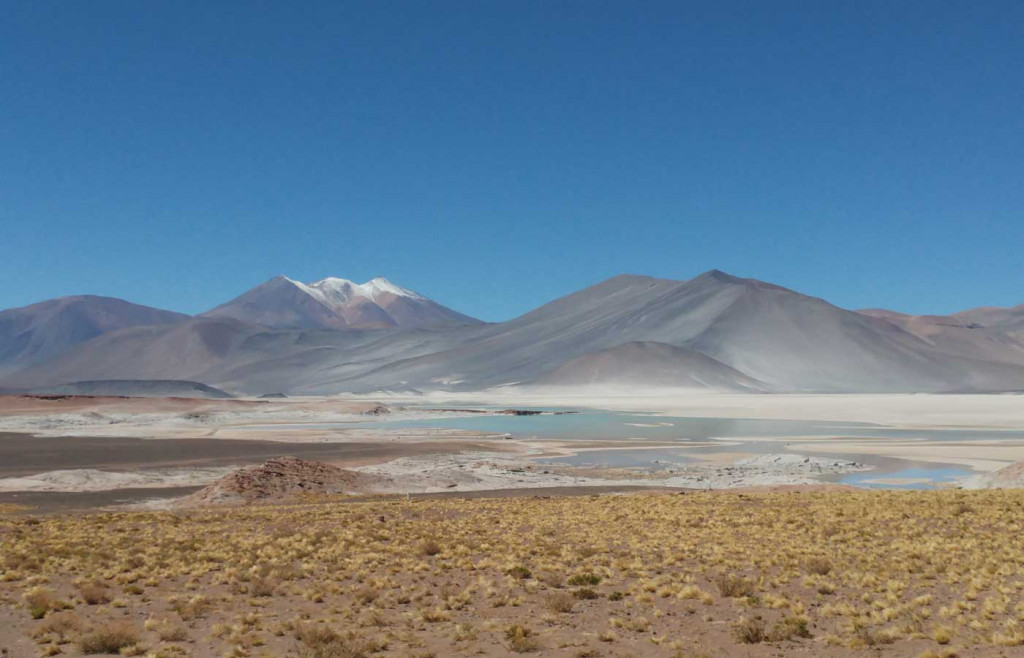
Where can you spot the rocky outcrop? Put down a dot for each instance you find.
(279, 479)
(1008, 477)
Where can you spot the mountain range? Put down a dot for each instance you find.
(715, 331)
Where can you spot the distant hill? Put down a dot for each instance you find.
(40, 332)
(137, 388)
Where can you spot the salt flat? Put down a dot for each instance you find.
(418, 443)
(898, 409)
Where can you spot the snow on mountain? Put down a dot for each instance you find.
(336, 292)
(341, 291)
(336, 303)
(781, 338)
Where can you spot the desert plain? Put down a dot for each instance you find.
(167, 527)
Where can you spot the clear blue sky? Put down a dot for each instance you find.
(496, 155)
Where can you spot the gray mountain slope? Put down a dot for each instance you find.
(1009, 320)
(789, 341)
(139, 388)
(963, 335)
(650, 364)
(279, 304)
(282, 303)
(37, 333)
(238, 356)
(324, 361)
(189, 350)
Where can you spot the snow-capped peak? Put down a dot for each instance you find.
(339, 290)
(310, 290)
(380, 284)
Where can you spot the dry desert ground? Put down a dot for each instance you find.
(925, 573)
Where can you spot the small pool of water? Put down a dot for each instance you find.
(919, 477)
(588, 424)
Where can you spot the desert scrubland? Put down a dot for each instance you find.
(930, 573)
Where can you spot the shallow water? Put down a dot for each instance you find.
(935, 475)
(658, 460)
(587, 424)
(607, 425)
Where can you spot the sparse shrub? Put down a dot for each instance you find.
(638, 624)
(262, 587)
(61, 624)
(324, 642)
(819, 565)
(167, 630)
(585, 594)
(188, 609)
(366, 595)
(94, 594)
(790, 628)
(871, 637)
(750, 631)
(465, 633)
(435, 615)
(41, 600)
(169, 651)
(584, 579)
(945, 653)
(519, 572)
(735, 586)
(560, 602)
(553, 579)
(109, 638)
(521, 639)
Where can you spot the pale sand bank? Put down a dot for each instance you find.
(897, 410)
(87, 479)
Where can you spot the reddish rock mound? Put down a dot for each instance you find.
(1008, 477)
(279, 479)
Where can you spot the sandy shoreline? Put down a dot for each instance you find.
(1004, 411)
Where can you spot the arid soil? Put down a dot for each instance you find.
(23, 455)
(683, 575)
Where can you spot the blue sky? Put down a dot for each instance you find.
(496, 155)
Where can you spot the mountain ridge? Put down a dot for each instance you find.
(284, 335)
(42, 331)
(336, 303)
